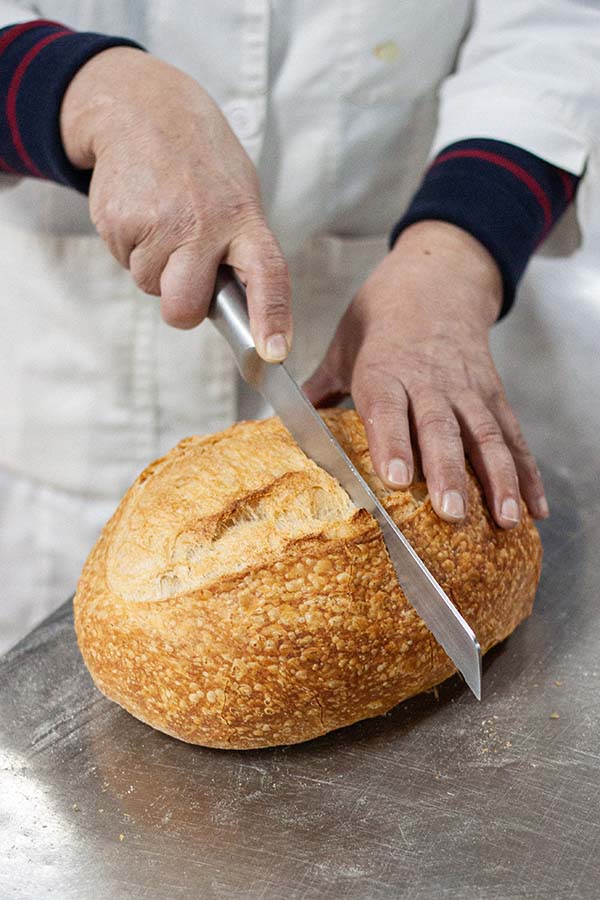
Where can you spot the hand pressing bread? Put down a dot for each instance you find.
(413, 350)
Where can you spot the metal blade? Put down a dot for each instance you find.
(423, 592)
(229, 314)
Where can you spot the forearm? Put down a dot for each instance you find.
(39, 60)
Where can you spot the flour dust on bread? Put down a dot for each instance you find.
(238, 599)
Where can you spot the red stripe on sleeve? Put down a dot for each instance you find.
(520, 173)
(11, 99)
(568, 184)
(13, 33)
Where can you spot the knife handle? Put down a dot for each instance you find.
(229, 314)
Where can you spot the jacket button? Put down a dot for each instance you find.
(242, 119)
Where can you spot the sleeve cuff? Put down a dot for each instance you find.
(39, 60)
(506, 197)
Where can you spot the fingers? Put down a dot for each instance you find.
(442, 454)
(530, 480)
(492, 460)
(446, 427)
(175, 252)
(382, 403)
(258, 259)
(443, 436)
(185, 280)
(186, 286)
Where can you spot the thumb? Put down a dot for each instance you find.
(260, 264)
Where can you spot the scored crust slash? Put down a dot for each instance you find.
(238, 599)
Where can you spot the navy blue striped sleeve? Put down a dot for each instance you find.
(507, 198)
(38, 59)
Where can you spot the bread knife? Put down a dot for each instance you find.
(228, 312)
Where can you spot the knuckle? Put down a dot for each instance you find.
(488, 434)
(529, 469)
(242, 217)
(276, 270)
(182, 220)
(522, 455)
(245, 210)
(383, 406)
(271, 262)
(519, 448)
(185, 219)
(277, 267)
(371, 371)
(503, 479)
(515, 440)
(396, 444)
(450, 473)
(275, 309)
(434, 421)
(111, 217)
(271, 277)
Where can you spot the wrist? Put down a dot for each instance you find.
(503, 195)
(93, 100)
(464, 260)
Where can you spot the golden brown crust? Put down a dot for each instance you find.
(237, 598)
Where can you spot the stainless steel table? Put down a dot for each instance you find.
(443, 798)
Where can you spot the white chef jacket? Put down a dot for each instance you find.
(336, 102)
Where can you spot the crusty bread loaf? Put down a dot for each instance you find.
(237, 598)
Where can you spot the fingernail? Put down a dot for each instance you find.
(453, 505)
(510, 510)
(397, 472)
(543, 510)
(276, 348)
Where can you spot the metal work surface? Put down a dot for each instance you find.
(444, 797)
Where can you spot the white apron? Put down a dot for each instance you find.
(336, 104)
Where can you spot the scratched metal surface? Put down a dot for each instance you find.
(443, 798)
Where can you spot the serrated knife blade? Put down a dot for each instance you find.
(229, 314)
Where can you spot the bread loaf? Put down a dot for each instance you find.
(237, 598)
